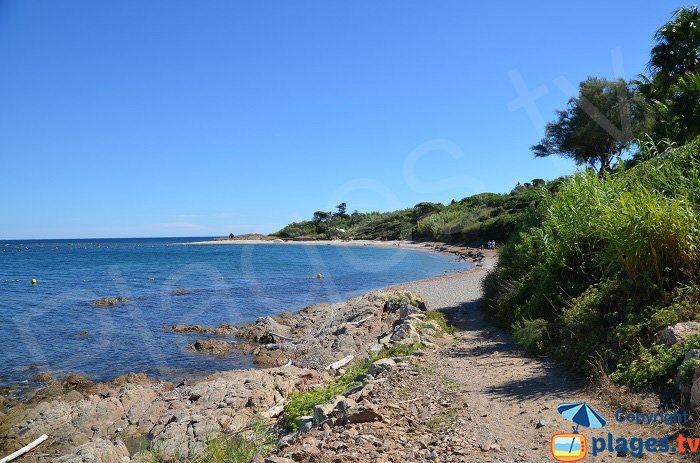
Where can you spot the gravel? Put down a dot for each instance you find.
(453, 290)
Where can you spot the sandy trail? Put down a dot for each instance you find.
(475, 398)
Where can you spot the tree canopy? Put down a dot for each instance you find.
(598, 125)
(673, 88)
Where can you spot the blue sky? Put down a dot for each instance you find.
(183, 118)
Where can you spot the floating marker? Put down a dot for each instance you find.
(319, 275)
(33, 281)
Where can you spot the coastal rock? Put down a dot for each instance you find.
(405, 331)
(320, 334)
(406, 310)
(109, 301)
(76, 381)
(695, 392)
(82, 425)
(212, 346)
(132, 378)
(265, 330)
(306, 423)
(380, 366)
(43, 377)
(188, 329)
(361, 414)
(323, 413)
(675, 333)
(97, 451)
(396, 301)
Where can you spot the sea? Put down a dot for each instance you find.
(54, 327)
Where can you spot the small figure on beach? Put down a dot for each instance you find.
(491, 244)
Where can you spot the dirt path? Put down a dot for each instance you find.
(474, 398)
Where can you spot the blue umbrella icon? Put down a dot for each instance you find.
(583, 415)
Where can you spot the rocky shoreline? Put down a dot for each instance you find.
(106, 422)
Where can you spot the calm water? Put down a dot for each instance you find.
(39, 325)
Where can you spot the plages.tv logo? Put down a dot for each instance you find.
(572, 446)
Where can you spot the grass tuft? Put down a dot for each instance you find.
(258, 438)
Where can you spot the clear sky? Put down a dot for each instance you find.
(184, 118)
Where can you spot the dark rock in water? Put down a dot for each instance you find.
(109, 301)
(43, 377)
(222, 330)
(132, 378)
(4, 399)
(265, 330)
(76, 381)
(188, 329)
(212, 346)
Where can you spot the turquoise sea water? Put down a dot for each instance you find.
(40, 324)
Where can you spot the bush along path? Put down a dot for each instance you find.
(472, 396)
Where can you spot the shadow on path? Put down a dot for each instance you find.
(542, 377)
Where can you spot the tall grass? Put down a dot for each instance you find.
(597, 260)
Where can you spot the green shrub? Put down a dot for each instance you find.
(654, 365)
(438, 319)
(531, 335)
(687, 370)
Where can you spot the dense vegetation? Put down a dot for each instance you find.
(472, 220)
(600, 266)
(604, 264)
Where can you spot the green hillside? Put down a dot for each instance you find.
(472, 220)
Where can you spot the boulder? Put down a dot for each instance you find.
(265, 330)
(97, 451)
(695, 393)
(406, 310)
(405, 330)
(212, 346)
(404, 299)
(188, 329)
(76, 381)
(675, 333)
(375, 348)
(306, 423)
(361, 414)
(380, 366)
(323, 413)
(328, 411)
(132, 378)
